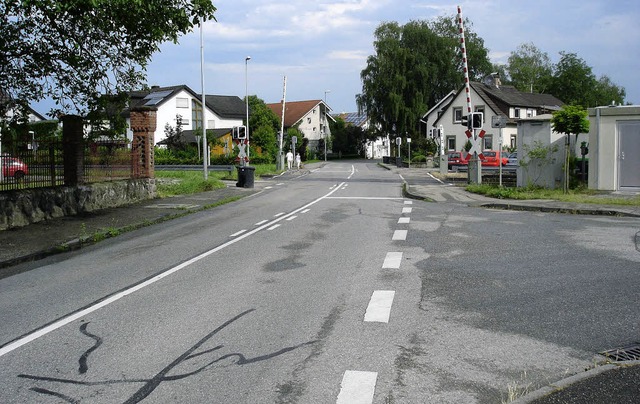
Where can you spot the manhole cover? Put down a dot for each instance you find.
(630, 353)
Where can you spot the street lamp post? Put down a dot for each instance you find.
(205, 149)
(246, 97)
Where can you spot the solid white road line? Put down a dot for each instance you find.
(404, 220)
(392, 260)
(371, 198)
(32, 336)
(238, 233)
(379, 309)
(357, 387)
(279, 214)
(399, 235)
(407, 210)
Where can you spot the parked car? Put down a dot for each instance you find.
(494, 158)
(513, 159)
(13, 167)
(457, 159)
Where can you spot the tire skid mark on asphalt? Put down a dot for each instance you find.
(115, 296)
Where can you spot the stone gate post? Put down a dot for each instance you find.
(143, 125)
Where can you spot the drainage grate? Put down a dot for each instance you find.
(630, 353)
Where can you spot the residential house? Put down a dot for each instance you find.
(221, 112)
(310, 117)
(492, 99)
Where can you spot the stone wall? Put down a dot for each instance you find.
(20, 208)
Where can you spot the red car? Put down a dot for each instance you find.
(13, 167)
(491, 158)
(457, 159)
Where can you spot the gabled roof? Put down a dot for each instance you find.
(294, 110)
(442, 104)
(225, 106)
(512, 97)
(500, 98)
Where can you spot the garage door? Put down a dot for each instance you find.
(629, 154)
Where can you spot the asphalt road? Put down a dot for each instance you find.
(325, 288)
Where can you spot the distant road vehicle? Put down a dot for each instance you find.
(513, 159)
(457, 159)
(493, 158)
(13, 167)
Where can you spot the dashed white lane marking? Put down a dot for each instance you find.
(275, 226)
(107, 300)
(357, 387)
(392, 260)
(278, 214)
(291, 218)
(404, 220)
(260, 223)
(268, 187)
(407, 210)
(280, 183)
(379, 309)
(408, 202)
(305, 211)
(399, 235)
(238, 233)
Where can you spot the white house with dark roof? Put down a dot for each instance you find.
(221, 111)
(492, 99)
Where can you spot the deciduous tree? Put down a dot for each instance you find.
(530, 69)
(74, 50)
(413, 67)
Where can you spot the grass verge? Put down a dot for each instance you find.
(581, 195)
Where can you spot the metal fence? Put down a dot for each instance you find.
(41, 164)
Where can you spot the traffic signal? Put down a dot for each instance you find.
(239, 132)
(476, 120)
(464, 121)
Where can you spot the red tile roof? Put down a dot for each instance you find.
(294, 110)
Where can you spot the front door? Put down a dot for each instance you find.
(629, 154)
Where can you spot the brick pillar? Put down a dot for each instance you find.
(143, 125)
(73, 149)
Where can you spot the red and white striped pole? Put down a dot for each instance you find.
(463, 47)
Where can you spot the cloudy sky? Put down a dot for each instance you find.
(323, 45)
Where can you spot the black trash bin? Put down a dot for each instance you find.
(398, 161)
(385, 159)
(245, 176)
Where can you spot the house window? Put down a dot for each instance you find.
(196, 115)
(457, 115)
(182, 103)
(451, 142)
(309, 120)
(488, 142)
(185, 122)
(516, 112)
(514, 141)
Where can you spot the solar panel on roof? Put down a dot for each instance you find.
(158, 94)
